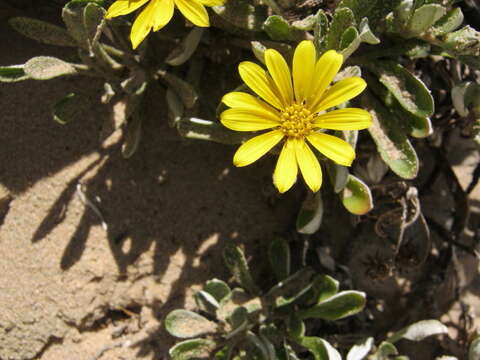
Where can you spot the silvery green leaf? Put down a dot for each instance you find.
(448, 23)
(238, 318)
(184, 90)
(356, 196)
(132, 135)
(243, 14)
(279, 29)
(465, 41)
(463, 95)
(320, 348)
(93, 18)
(337, 174)
(13, 73)
(342, 20)
(295, 327)
(349, 42)
(324, 287)
(419, 331)
(206, 302)
(376, 169)
(192, 349)
(185, 50)
(310, 215)
(424, 17)
(72, 15)
(320, 30)
(385, 351)
(47, 67)
(447, 357)
(41, 31)
(374, 10)
(186, 324)
(200, 129)
(305, 24)
(236, 298)
(347, 72)
(392, 143)
(217, 288)
(237, 264)
(70, 107)
(402, 14)
(292, 289)
(366, 34)
(474, 349)
(360, 350)
(175, 107)
(259, 47)
(343, 304)
(279, 255)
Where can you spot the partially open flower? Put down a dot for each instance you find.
(294, 112)
(158, 13)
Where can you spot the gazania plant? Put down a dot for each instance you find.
(293, 106)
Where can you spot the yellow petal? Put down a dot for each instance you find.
(278, 69)
(344, 119)
(333, 147)
(163, 13)
(260, 82)
(340, 92)
(309, 166)
(212, 2)
(123, 7)
(325, 70)
(244, 101)
(194, 11)
(286, 170)
(256, 147)
(245, 120)
(143, 23)
(303, 69)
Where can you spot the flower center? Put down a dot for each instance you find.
(296, 121)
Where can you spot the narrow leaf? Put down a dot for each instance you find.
(310, 216)
(192, 349)
(46, 67)
(185, 50)
(41, 31)
(419, 331)
(237, 264)
(279, 255)
(343, 304)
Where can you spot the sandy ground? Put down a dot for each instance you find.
(70, 289)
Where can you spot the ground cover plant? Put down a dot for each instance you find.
(362, 104)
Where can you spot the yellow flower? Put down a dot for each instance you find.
(158, 13)
(295, 112)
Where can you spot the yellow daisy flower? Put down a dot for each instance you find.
(158, 13)
(295, 112)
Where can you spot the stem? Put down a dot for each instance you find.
(274, 6)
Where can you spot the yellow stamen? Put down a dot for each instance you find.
(296, 121)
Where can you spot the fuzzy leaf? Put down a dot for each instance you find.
(72, 15)
(360, 350)
(243, 14)
(356, 196)
(419, 331)
(450, 22)
(41, 31)
(366, 34)
(343, 304)
(474, 349)
(186, 324)
(424, 17)
(465, 41)
(70, 107)
(184, 90)
(463, 95)
(409, 91)
(310, 216)
(320, 30)
(12, 73)
(200, 129)
(93, 16)
(349, 42)
(342, 20)
(279, 255)
(237, 264)
(391, 141)
(206, 302)
(185, 50)
(47, 67)
(279, 29)
(374, 10)
(385, 351)
(324, 287)
(195, 349)
(320, 349)
(217, 288)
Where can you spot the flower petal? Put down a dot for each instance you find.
(280, 72)
(344, 119)
(245, 120)
(163, 13)
(333, 147)
(212, 2)
(123, 7)
(260, 82)
(340, 92)
(303, 69)
(325, 70)
(244, 101)
(143, 24)
(286, 170)
(194, 11)
(256, 147)
(309, 165)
